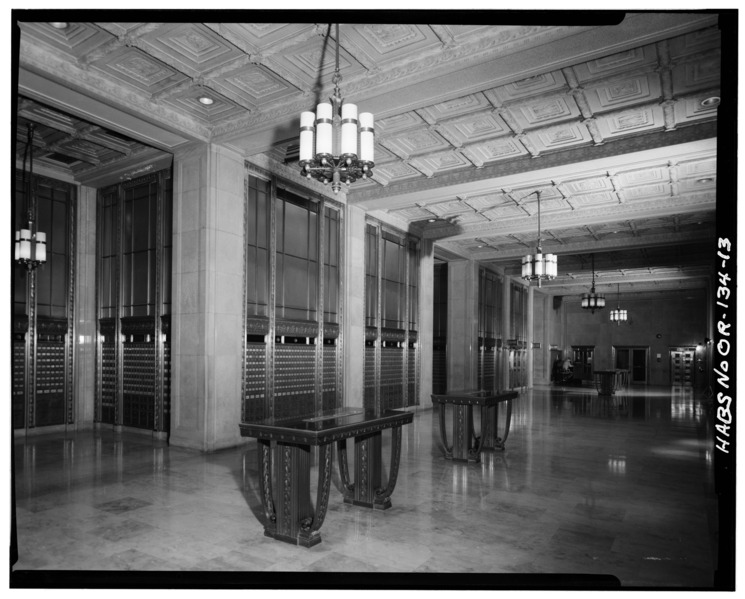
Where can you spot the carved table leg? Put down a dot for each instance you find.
(296, 520)
(367, 470)
(264, 454)
(341, 452)
(444, 435)
(507, 421)
(488, 426)
(383, 496)
(462, 433)
(367, 490)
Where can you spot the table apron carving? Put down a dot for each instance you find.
(466, 444)
(290, 514)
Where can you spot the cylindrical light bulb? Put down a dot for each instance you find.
(367, 137)
(25, 248)
(349, 129)
(41, 247)
(307, 120)
(324, 128)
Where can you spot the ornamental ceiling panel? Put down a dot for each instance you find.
(455, 108)
(615, 124)
(560, 137)
(643, 176)
(192, 46)
(543, 111)
(623, 93)
(695, 108)
(311, 63)
(642, 58)
(491, 200)
(440, 162)
(706, 167)
(77, 40)
(474, 128)
(495, 150)
(393, 172)
(132, 66)
(588, 185)
(265, 38)
(379, 44)
(188, 100)
(255, 85)
(696, 75)
(445, 209)
(529, 87)
(591, 200)
(646, 191)
(632, 121)
(415, 141)
(399, 122)
(503, 212)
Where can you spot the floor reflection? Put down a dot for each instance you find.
(585, 484)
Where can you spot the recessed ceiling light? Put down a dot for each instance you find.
(705, 180)
(206, 100)
(431, 220)
(711, 102)
(59, 25)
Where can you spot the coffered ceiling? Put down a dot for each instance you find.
(614, 122)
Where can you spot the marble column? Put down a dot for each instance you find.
(463, 300)
(84, 379)
(504, 374)
(530, 337)
(426, 315)
(354, 306)
(207, 297)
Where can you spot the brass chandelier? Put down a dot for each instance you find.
(617, 315)
(329, 139)
(539, 266)
(593, 301)
(30, 245)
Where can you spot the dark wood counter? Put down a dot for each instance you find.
(467, 446)
(290, 513)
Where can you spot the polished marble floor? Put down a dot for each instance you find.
(586, 485)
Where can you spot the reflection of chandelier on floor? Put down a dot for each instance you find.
(334, 129)
(618, 316)
(539, 266)
(593, 301)
(30, 245)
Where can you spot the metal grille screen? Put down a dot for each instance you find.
(295, 380)
(138, 381)
(50, 382)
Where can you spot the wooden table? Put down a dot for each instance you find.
(290, 513)
(466, 445)
(605, 381)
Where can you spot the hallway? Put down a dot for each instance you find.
(621, 486)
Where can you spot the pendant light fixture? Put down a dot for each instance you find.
(329, 139)
(539, 266)
(618, 316)
(593, 301)
(30, 245)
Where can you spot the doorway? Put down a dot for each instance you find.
(633, 359)
(582, 361)
(682, 366)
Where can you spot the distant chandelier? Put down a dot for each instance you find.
(593, 301)
(539, 266)
(30, 245)
(618, 316)
(334, 129)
